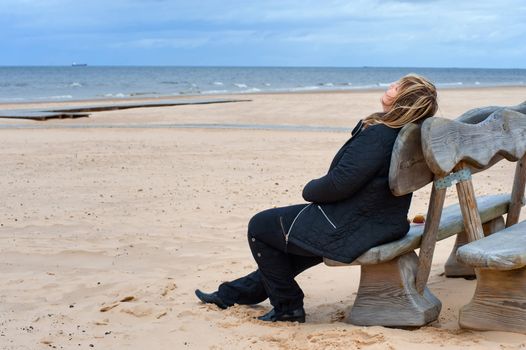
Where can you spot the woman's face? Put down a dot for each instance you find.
(389, 96)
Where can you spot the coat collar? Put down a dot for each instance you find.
(357, 128)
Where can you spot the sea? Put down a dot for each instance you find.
(80, 82)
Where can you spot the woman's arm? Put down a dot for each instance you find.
(361, 160)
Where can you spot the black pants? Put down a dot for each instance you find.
(278, 263)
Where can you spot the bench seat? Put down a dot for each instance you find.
(499, 301)
(503, 250)
(451, 223)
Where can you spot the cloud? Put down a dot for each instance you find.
(332, 27)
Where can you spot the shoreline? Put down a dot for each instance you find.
(4, 104)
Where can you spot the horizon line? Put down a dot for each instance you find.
(255, 66)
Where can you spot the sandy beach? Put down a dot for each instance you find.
(106, 231)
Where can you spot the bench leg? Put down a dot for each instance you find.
(387, 296)
(499, 303)
(453, 267)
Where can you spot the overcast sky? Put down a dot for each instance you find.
(427, 33)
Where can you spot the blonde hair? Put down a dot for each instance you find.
(416, 99)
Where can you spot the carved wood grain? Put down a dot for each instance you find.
(387, 296)
(446, 143)
(476, 115)
(503, 250)
(469, 209)
(499, 302)
(429, 237)
(453, 267)
(409, 171)
(517, 194)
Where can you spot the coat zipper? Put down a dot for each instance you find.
(326, 217)
(290, 228)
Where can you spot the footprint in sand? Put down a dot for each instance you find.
(169, 287)
(186, 313)
(139, 311)
(340, 337)
(103, 322)
(113, 305)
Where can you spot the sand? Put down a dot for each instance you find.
(106, 232)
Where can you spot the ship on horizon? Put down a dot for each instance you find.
(74, 64)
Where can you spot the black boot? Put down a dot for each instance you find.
(297, 315)
(211, 298)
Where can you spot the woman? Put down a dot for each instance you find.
(351, 210)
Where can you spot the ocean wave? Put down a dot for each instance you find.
(13, 99)
(189, 92)
(218, 83)
(118, 95)
(366, 87)
(240, 85)
(504, 83)
(304, 88)
(212, 92)
(61, 97)
(75, 84)
(456, 83)
(253, 90)
(41, 98)
(143, 93)
(177, 82)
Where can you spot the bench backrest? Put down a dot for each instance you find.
(447, 143)
(451, 145)
(473, 142)
(409, 170)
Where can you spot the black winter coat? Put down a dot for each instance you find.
(352, 207)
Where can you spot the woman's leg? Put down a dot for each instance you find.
(247, 290)
(278, 263)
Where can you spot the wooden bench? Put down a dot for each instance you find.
(392, 289)
(499, 302)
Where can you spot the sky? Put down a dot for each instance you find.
(392, 33)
